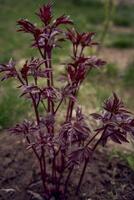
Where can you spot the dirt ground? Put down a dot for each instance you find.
(106, 178)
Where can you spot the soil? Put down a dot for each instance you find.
(107, 178)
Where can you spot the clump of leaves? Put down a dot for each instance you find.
(61, 148)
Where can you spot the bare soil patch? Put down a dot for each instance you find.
(106, 178)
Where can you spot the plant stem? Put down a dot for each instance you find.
(92, 139)
(42, 159)
(58, 106)
(82, 175)
(51, 77)
(40, 163)
(85, 164)
(67, 179)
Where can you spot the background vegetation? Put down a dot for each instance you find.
(113, 23)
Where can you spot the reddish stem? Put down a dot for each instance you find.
(67, 179)
(86, 161)
(82, 176)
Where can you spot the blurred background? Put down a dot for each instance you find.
(113, 22)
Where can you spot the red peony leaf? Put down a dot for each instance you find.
(62, 20)
(45, 13)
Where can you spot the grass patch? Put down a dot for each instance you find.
(89, 14)
(120, 40)
(124, 15)
(111, 70)
(14, 44)
(129, 75)
(90, 8)
(12, 108)
(92, 3)
(130, 160)
(127, 157)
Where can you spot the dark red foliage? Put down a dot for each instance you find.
(62, 20)
(45, 14)
(61, 144)
(72, 132)
(33, 68)
(24, 71)
(25, 128)
(83, 39)
(50, 93)
(30, 89)
(116, 120)
(114, 105)
(79, 156)
(8, 70)
(78, 69)
(27, 27)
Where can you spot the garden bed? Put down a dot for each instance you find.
(107, 178)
